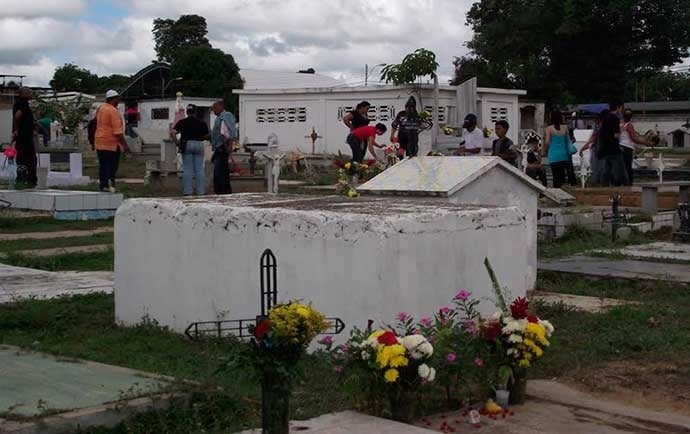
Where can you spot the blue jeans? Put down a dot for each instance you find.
(193, 169)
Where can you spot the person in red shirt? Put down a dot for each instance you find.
(363, 138)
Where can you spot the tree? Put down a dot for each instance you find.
(208, 72)
(420, 63)
(71, 77)
(576, 50)
(658, 86)
(173, 37)
(114, 81)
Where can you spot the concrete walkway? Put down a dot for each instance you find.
(95, 248)
(58, 234)
(19, 283)
(553, 408)
(622, 269)
(658, 251)
(580, 302)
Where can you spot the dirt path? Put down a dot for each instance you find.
(51, 235)
(97, 248)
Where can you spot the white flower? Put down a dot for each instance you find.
(547, 325)
(365, 355)
(418, 346)
(424, 371)
(515, 339)
(514, 327)
(511, 351)
(432, 375)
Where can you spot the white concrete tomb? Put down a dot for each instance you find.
(179, 261)
(467, 180)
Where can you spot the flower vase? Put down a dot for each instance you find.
(275, 406)
(502, 397)
(403, 405)
(518, 389)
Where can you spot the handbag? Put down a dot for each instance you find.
(572, 149)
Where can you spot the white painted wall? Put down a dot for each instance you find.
(178, 262)
(5, 126)
(146, 107)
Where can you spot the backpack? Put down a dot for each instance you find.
(91, 131)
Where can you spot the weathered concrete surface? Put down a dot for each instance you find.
(182, 261)
(77, 393)
(20, 283)
(57, 234)
(350, 422)
(622, 269)
(95, 248)
(553, 408)
(581, 302)
(660, 250)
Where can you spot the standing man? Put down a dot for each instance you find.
(109, 140)
(609, 147)
(23, 135)
(222, 138)
(472, 138)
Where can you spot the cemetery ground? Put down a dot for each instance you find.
(636, 353)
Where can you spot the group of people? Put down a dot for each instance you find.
(405, 130)
(188, 133)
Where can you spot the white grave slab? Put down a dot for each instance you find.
(56, 179)
(468, 181)
(62, 200)
(179, 261)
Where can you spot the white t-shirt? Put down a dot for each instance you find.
(473, 139)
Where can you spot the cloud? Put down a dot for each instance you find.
(41, 8)
(39, 73)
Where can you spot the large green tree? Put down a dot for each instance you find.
(71, 77)
(173, 37)
(208, 72)
(574, 50)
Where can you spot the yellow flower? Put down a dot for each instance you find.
(524, 363)
(391, 375)
(386, 354)
(364, 167)
(399, 362)
(348, 165)
(352, 193)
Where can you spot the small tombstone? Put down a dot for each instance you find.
(585, 172)
(660, 168)
(273, 157)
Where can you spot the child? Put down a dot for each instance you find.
(535, 170)
(364, 138)
(503, 146)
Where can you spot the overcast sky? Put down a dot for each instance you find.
(334, 37)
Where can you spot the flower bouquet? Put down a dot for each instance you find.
(388, 364)
(280, 341)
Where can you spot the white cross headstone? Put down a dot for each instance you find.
(584, 172)
(660, 167)
(273, 157)
(524, 150)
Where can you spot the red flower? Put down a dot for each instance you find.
(533, 319)
(261, 329)
(388, 338)
(492, 330)
(339, 164)
(519, 308)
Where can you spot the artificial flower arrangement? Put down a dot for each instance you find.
(387, 367)
(280, 340)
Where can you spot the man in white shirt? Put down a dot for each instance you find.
(472, 138)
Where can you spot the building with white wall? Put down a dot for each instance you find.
(293, 113)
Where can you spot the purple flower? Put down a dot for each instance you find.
(444, 311)
(451, 357)
(403, 316)
(338, 369)
(426, 322)
(472, 328)
(478, 361)
(463, 295)
(327, 340)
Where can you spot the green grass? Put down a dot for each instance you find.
(97, 261)
(655, 329)
(51, 243)
(83, 327)
(579, 240)
(16, 225)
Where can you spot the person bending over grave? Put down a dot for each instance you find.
(472, 138)
(408, 124)
(535, 169)
(364, 138)
(503, 146)
(193, 131)
(222, 139)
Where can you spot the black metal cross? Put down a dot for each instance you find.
(269, 297)
(616, 218)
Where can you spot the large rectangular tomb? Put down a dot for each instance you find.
(65, 204)
(179, 261)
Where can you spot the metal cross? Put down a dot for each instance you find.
(268, 294)
(584, 173)
(616, 218)
(660, 167)
(314, 136)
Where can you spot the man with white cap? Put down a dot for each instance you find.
(109, 140)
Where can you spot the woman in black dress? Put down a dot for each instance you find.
(409, 124)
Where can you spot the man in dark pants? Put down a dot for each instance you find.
(23, 135)
(609, 148)
(222, 137)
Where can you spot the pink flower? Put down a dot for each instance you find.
(478, 361)
(327, 340)
(463, 295)
(451, 357)
(338, 369)
(403, 316)
(346, 348)
(472, 328)
(426, 322)
(444, 311)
